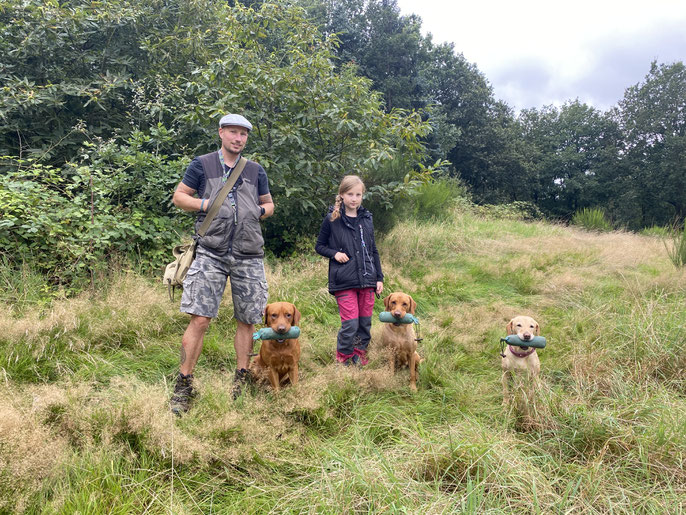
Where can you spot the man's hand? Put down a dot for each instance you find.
(341, 257)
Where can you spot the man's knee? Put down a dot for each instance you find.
(244, 326)
(200, 323)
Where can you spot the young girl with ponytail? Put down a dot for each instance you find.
(346, 237)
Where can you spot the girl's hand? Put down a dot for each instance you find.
(341, 257)
(379, 287)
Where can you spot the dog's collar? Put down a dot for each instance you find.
(521, 354)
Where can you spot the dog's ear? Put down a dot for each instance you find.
(296, 315)
(537, 329)
(266, 314)
(386, 301)
(510, 327)
(413, 305)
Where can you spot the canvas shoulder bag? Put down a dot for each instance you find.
(175, 272)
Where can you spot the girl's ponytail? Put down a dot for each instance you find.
(336, 213)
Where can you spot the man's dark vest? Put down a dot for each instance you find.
(236, 228)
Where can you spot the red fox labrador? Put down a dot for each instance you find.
(400, 338)
(278, 359)
(518, 359)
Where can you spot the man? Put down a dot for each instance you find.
(232, 247)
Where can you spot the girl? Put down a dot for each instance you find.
(347, 239)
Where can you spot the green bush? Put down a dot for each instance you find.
(592, 219)
(517, 210)
(69, 223)
(389, 193)
(433, 199)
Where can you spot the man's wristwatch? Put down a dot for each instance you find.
(261, 211)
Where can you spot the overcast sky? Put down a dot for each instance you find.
(536, 52)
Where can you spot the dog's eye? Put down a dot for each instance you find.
(288, 315)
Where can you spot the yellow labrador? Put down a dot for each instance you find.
(520, 360)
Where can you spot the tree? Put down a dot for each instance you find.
(575, 156)
(469, 128)
(173, 78)
(386, 47)
(652, 116)
(73, 71)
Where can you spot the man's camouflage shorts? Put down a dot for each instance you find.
(203, 287)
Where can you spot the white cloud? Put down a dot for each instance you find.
(537, 52)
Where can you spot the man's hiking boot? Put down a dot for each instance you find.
(240, 379)
(183, 394)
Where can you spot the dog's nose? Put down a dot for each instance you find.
(526, 336)
(281, 329)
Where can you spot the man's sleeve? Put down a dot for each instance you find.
(195, 177)
(262, 182)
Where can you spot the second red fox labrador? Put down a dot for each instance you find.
(401, 338)
(278, 359)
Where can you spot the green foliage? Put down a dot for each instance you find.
(676, 246)
(71, 223)
(71, 71)
(592, 219)
(434, 199)
(517, 210)
(656, 230)
(469, 128)
(386, 47)
(135, 90)
(573, 157)
(651, 181)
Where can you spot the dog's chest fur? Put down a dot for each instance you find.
(280, 357)
(401, 340)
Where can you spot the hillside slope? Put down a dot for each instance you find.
(84, 421)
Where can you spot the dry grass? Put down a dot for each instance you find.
(30, 451)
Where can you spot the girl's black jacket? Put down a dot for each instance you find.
(355, 237)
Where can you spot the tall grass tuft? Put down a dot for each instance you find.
(656, 230)
(676, 246)
(592, 219)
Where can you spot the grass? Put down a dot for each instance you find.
(676, 246)
(84, 386)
